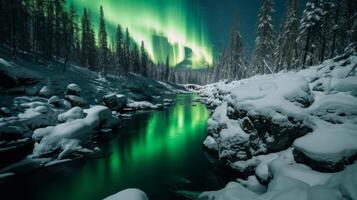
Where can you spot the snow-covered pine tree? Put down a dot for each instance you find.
(235, 56)
(230, 64)
(286, 50)
(327, 24)
(309, 32)
(103, 43)
(263, 53)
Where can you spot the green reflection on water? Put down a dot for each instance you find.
(159, 146)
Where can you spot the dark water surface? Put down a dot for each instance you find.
(158, 152)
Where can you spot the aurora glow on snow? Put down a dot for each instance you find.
(165, 26)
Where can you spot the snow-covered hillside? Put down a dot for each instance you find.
(51, 113)
(293, 133)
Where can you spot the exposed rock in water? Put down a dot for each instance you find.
(115, 102)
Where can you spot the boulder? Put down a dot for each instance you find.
(115, 102)
(76, 100)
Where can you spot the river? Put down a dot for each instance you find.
(159, 152)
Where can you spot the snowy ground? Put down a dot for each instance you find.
(293, 133)
(52, 116)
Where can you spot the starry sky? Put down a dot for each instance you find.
(221, 14)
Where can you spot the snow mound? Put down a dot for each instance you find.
(128, 194)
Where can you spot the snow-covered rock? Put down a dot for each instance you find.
(38, 116)
(76, 100)
(329, 147)
(211, 143)
(70, 136)
(54, 100)
(45, 91)
(128, 194)
(142, 105)
(73, 89)
(72, 114)
(275, 109)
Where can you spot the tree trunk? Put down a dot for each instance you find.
(306, 48)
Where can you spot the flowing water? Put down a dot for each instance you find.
(158, 152)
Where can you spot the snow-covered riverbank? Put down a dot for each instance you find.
(293, 134)
(49, 114)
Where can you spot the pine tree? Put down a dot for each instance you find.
(263, 54)
(236, 50)
(119, 49)
(85, 39)
(58, 27)
(127, 52)
(286, 50)
(135, 59)
(69, 24)
(92, 49)
(327, 24)
(103, 43)
(144, 60)
(310, 29)
(167, 68)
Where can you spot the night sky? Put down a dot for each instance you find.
(169, 26)
(221, 14)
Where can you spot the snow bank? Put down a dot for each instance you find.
(269, 112)
(128, 194)
(313, 111)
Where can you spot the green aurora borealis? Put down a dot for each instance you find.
(165, 26)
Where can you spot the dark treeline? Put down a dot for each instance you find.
(326, 28)
(46, 30)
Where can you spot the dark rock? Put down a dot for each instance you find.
(114, 102)
(54, 100)
(248, 126)
(76, 100)
(323, 166)
(280, 137)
